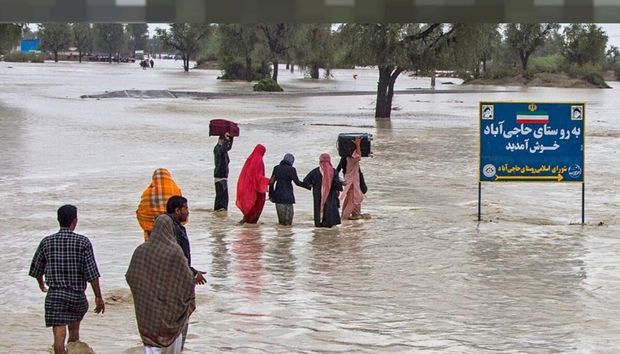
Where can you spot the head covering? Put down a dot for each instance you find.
(154, 198)
(289, 158)
(162, 286)
(252, 180)
(327, 171)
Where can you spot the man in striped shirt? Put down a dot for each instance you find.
(63, 263)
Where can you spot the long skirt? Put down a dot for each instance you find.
(251, 217)
(174, 348)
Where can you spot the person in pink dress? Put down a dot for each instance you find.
(352, 195)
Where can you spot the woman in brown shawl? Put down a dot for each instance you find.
(162, 286)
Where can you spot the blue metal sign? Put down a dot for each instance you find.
(532, 142)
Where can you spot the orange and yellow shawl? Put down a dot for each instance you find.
(154, 198)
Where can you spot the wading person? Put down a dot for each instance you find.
(162, 286)
(325, 189)
(154, 198)
(353, 193)
(65, 262)
(177, 209)
(220, 173)
(252, 186)
(281, 189)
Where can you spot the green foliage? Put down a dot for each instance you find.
(584, 44)
(237, 49)
(9, 36)
(82, 37)
(138, 36)
(314, 47)
(550, 63)
(499, 72)
(55, 37)
(20, 57)
(186, 38)
(526, 38)
(268, 84)
(589, 72)
(110, 37)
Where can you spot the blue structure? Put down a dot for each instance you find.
(30, 45)
(532, 142)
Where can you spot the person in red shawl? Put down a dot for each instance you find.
(252, 186)
(326, 187)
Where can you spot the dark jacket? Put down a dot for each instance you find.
(281, 183)
(181, 235)
(220, 158)
(331, 213)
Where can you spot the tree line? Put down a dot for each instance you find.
(255, 51)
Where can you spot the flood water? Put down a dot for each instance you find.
(422, 275)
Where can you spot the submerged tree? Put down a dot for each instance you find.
(110, 37)
(314, 48)
(237, 42)
(393, 48)
(185, 38)
(82, 38)
(55, 37)
(277, 38)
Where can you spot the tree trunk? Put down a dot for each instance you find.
(248, 69)
(185, 63)
(110, 57)
(292, 68)
(524, 59)
(275, 71)
(55, 56)
(314, 71)
(385, 91)
(433, 75)
(80, 56)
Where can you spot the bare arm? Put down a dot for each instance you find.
(99, 303)
(41, 284)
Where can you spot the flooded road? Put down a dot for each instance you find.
(422, 275)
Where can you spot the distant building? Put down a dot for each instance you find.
(30, 45)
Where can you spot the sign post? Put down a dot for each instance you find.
(532, 142)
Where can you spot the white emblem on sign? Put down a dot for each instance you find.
(488, 170)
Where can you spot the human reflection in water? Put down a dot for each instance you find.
(280, 261)
(221, 258)
(247, 248)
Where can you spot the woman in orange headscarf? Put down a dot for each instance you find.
(252, 186)
(154, 198)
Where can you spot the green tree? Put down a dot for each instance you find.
(9, 36)
(55, 37)
(584, 43)
(314, 48)
(237, 43)
(393, 48)
(185, 38)
(138, 36)
(110, 37)
(526, 38)
(277, 38)
(82, 38)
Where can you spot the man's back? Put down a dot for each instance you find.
(66, 259)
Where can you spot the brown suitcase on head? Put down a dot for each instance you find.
(219, 127)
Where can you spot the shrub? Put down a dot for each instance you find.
(20, 57)
(617, 71)
(588, 72)
(550, 63)
(269, 85)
